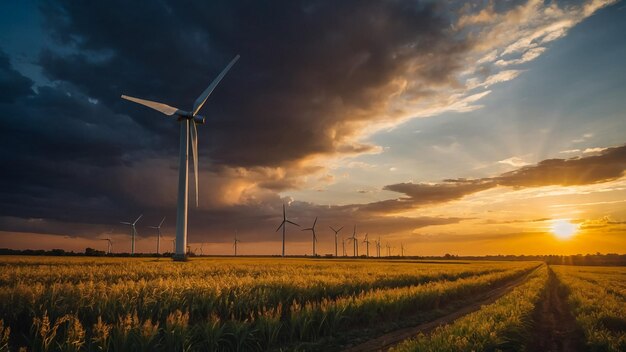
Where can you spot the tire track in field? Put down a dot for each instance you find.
(386, 341)
(554, 326)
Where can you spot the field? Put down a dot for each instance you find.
(257, 304)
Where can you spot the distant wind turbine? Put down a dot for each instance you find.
(284, 225)
(109, 244)
(355, 242)
(158, 228)
(201, 246)
(343, 246)
(173, 245)
(336, 232)
(402, 249)
(367, 246)
(378, 247)
(312, 229)
(187, 119)
(235, 243)
(388, 250)
(133, 233)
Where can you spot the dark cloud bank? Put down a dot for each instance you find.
(311, 74)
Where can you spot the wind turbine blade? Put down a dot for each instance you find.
(340, 229)
(293, 223)
(335, 231)
(137, 219)
(197, 105)
(160, 107)
(281, 225)
(125, 223)
(194, 150)
(314, 222)
(161, 223)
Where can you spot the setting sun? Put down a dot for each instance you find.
(563, 228)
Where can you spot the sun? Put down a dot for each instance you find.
(563, 228)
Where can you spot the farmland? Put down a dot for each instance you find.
(257, 304)
(225, 304)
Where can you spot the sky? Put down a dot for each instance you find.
(469, 128)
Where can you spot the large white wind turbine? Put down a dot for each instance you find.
(283, 225)
(158, 228)
(186, 118)
(133, 233)
(312, 229)
(336, 232)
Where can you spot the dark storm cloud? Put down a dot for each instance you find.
(308, 71)
(609, 165)
(311, 74)
(12, 83)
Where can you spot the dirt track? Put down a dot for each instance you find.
(384, 342)
(554, 327)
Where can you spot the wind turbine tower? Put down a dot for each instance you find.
(355, 241)
(312, 229)
(367, 246)
(188, 130)
(284, 225)
(133, 233)
(158, 228)
(109, 244)
(235, 243)
(336, 232)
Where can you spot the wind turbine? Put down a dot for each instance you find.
(201, 251)
(187, 119)
(235, 243)
(378, 247)
(367, 245)
(336, 232)
(343, 246)
(158, 228)
(283, 225)
(312, 229)
(355, 241)
(109, 244)
(388, 250)
(402, 249)
(174, 245)
(133, 233)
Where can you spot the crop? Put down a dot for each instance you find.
(597, 299)
(497, 326)
(118, 304)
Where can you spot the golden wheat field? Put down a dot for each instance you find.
(259, 304)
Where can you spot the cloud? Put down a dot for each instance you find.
(593, 150)
(313, 80)
(609, 165)
(13, 84)
(515, 161)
